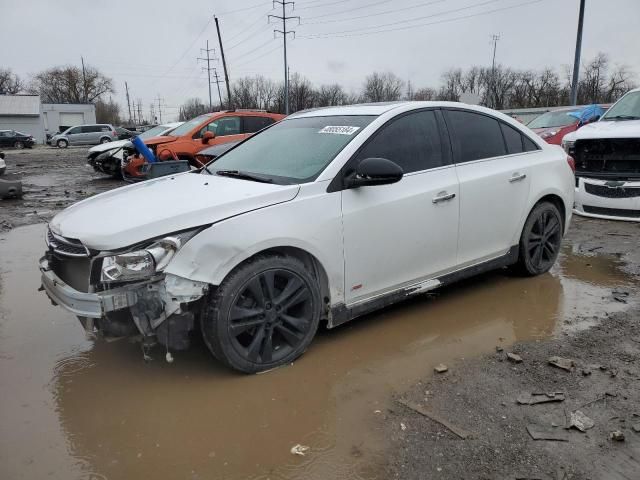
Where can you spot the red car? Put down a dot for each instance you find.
(553, 126)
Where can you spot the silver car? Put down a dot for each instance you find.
(92, 134)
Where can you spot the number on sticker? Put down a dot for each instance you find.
(339, 129)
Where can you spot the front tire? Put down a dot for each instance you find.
(62, 144)
(263, 315)
(19, 145)
(105, 140)
(540, 240)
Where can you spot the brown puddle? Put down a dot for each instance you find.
(75, 408)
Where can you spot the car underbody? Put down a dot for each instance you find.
(608, 178)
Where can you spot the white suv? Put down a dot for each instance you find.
(607, 156)
(326, 215)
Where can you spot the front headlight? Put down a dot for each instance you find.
(143, 264)
(549, 133)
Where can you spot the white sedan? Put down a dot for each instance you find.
(324, 216)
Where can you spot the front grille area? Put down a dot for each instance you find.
(612, 212)
(612, 192)
(74, 271)
(611, 157)
(66, 246)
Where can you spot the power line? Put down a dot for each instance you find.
(333, 3)
(349, 10)
(382, 25)
(284, 33)
(208, 68)
(387, 12)
(408, 27)
(244, 9)
(262, 55)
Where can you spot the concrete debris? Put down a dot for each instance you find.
(403, 427)
(10, 189)
(580, 421)
(620, 295)
(499, 348)
(636, 427)
(441, 368)
(563, 363)
(553, 434)
(514, 357)
(436, 418)
(300, 450)
(617, 436)
(534, 398)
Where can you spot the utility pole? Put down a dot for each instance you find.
(140, 111)
(494, 39)
(218, 82)
(224, 65)
(284, 33)
(160, 107)
(576, 59)
(126, 87)
(152, 112)
(84, 81)
(134, 113)
(208, 59)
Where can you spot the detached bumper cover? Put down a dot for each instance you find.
(82, 304)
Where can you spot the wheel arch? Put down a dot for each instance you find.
(308, 259)
(558, 202)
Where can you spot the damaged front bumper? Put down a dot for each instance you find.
(153, 306)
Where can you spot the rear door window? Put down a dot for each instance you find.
(90, 129)
(512, 138)
(475, 136)
(254, 124)
(412, 141)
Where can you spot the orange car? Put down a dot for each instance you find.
(201, 132)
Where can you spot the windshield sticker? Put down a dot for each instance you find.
(339, 130)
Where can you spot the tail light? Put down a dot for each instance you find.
(572, 163)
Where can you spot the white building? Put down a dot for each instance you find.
(26, 114)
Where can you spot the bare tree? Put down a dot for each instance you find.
(191, 109)
(332, 94)
(10, 83)
(108, 112)
(68, 84)
(382, 87)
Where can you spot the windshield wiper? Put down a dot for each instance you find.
(243, 176)
(623, 117)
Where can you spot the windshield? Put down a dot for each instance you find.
(153, 132)
(627, 108)
(190, 125)
(295, 150)
(553, 119)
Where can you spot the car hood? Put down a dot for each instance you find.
(135, 213)
(159, 140)
(103, 147)
(606, 129)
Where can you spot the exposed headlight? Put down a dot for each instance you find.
(549, 133)
(144, 263)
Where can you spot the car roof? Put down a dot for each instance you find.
(377, 108)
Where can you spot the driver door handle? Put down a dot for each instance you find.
(443, 197)
(516, 177)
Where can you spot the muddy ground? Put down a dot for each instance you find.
(74, 407)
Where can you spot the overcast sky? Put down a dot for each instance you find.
(153, 45)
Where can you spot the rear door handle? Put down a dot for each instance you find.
(443, 197)
(516, 177)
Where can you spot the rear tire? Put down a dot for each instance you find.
(263, 315)
(540, 240)
(62, 144)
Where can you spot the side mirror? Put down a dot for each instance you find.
(207, 136)
(374, 171)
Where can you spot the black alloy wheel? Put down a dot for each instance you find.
(541, 240)
(264, 315)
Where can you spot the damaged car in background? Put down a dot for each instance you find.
(107, 157)
(607, 156)
(325, 216)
